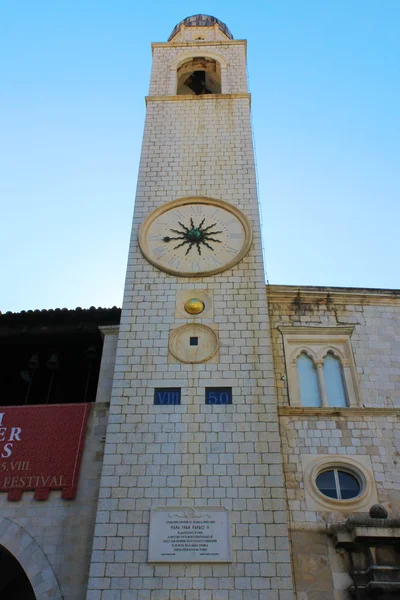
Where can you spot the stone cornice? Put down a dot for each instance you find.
(193, 98)
(307, 526)
(109, 329)
(301, 411)
(308, 330)
(332, 295)
(198, 43)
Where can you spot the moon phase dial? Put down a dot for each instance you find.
(195, 237)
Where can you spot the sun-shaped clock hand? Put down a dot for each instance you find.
(194, 236)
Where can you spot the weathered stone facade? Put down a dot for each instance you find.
(366, 435)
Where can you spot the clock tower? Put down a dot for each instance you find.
(193, 438)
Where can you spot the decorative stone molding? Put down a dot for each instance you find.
(323, 411)
(180, 60)
(204, 98)
(360, 467)
(317, 342)
(373, 545)
(308, 333)
(194, 52)
(31, 558)
(307, 526)
(332, 295)
(205, 348)
(108, 330)
(199, 43)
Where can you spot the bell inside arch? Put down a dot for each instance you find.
(199, 76)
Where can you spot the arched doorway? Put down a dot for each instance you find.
(16, 542)
(14, 583)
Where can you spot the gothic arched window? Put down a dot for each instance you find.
(320, 366)
(199, 76)
(308, 381)
(334, 382)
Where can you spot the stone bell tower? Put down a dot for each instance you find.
(192, 502)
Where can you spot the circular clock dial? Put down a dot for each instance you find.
(195, 237)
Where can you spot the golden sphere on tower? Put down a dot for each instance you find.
(194, 306)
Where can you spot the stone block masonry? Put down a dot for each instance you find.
(363, 436)
(193, 453)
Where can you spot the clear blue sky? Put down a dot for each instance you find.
(325, 81)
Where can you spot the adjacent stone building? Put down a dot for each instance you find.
(53, 364)
(239, 434)
(358, 436)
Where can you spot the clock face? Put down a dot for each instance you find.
(194, 237)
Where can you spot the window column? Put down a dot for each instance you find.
(320, 373)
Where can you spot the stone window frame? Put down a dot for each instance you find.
(336, 472)
(193, 53)
(359, 466)
(208, 65)
(316, 343)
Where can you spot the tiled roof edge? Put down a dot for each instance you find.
(62, 316)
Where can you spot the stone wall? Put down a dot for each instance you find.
(194, 454)
(320, 573)
(367, 435)
(375, 315)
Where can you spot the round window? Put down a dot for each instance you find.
(338, 484)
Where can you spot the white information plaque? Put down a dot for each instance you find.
(194, 534)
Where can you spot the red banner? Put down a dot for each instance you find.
(41, 448)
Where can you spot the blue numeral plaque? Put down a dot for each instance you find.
(219, 395)
(167, 396)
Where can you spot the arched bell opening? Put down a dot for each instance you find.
(14, 582)
(199, 76)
